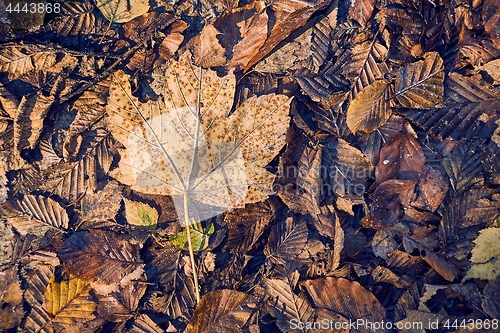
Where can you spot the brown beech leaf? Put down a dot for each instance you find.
(432, 190)
(439, 263)
(120, 305)
(401, 157)
(346, 169)
(371, 108)
(402, 19)
(286, 304)
(363, 64)
(99, 255)
(419, 85)
(299, 175)
(348, 299)
(216, 149)
(206, 49)
(221, 311)
(102, 206)
(28, 124)
(251, 22)
(289, 16)
(173, 40)
(286, 241)
(245, 226)
(361, 11)
(76, 18)
(390, 198)
(18, 61)
(474, 207)
(37, 212)
(38, 319)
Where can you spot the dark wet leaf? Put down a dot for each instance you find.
(99, 255)
(286, 241)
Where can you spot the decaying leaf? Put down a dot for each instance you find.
(77, 18)
(140, 214)
(121, 11)
(215, 149)
(361, 11)
(445, 268)
(299, 177)
(222, 311)
(245, 226)
(346, 169)
(485, 255)
(370, 109)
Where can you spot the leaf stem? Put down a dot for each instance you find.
(191, 252)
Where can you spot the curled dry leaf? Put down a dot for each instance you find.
(220, 160)
(371, 108)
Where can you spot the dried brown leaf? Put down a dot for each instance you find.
(221, 311)
(439, 263)
(346, 298)
(371, 108)
(99, 255)
(361, 11)
(401, 157)
(419, 85)
(286, 241)
(206, 49)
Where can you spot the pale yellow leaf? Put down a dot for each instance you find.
(486, 255)
(186, 145)
(121, 11)
(140, 214)
(69, 300)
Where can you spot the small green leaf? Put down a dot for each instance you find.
(199, 237)
(141, 214)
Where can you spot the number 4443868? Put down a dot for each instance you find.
(472, 324)
(34, 7)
